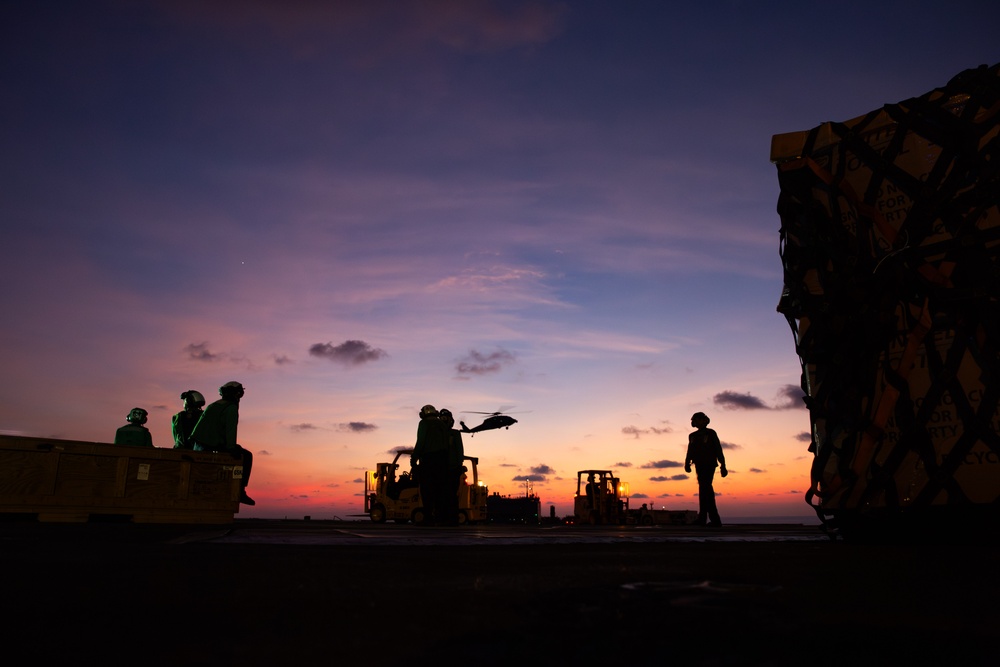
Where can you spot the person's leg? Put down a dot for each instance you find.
(707, 512)
(711, 508)
(427, 493)
(247, 457)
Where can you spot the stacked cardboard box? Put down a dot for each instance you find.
(891, 253)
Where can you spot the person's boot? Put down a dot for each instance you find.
(245, 499)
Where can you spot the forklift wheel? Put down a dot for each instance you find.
(377, 513)
(463, 518)
(419, 517)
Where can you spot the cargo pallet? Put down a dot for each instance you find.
(890, 243)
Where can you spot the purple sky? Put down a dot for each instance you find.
(356, 208)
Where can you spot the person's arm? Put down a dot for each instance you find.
(176, 432)
(719, 454)
(418, 447)
(687, 457)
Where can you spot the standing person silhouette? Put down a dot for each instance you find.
(430, 460)
(456, 460)
(705, 450)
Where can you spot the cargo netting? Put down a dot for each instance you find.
(890, 233)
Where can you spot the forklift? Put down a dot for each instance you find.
(598, 498)
(388, 497)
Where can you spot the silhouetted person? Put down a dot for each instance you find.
(134, 433)
(183, 423)
(592, 491)
(430, 459)
(456, 467)
(705, 451)
(216, 432)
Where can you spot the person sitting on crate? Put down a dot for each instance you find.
(216, 432)
(184, 421)
(134, 433)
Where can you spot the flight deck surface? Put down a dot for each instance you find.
(311, 592)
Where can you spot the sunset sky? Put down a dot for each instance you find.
(564, 210)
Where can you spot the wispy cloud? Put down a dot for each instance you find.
(356, 427)
(672, 478)
(637, 432)
(730, 400)
(788, 397)
(479, 363)
(348, 353)
(200, 352)
(306, 28)
(663, 464)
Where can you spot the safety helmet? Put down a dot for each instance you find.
(445, 413)
(137, 416)
(194, 397)
(700, 417)
(428, 411)
(231, 389)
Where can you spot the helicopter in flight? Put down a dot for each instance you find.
(495, 420)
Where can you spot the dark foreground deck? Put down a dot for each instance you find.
(304, 593)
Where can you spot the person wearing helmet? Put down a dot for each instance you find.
(705, 451)
(430, 461)
(216, 432)
(184, 421)
(456, 467)
(135, 433)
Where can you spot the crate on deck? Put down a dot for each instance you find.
(49, 480)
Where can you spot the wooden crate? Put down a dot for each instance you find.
(71, 481)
